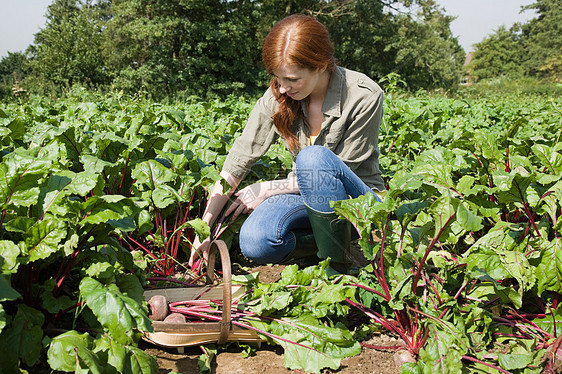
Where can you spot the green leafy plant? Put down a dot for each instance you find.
(465, 249)
(82, 179)
(99, 195)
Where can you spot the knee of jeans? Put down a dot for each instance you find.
(253, 244)
(309, 158)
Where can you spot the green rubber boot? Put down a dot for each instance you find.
(305, 250)
(333, 238)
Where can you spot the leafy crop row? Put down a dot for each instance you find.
(467, 269)
(95, 194)
(100, 194)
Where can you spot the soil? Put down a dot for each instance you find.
(269, 359)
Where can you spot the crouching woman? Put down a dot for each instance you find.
(329, 118)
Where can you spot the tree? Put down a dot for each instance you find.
(68, 49)
(199, 46)
(426, 55)
(12, 69)
(213, 47)
(543, 39)
(360, 31)
(380, 37)
(501, 54)
(530, 49)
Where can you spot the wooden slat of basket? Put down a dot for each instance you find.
(192, 293)
(196, 334)
(185, 340)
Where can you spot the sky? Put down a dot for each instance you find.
(21, 19)
(478, 18)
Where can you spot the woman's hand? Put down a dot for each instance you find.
(199, 250)
(247, 199)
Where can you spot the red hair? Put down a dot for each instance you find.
(295, 40)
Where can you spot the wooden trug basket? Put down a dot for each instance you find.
(199, 333)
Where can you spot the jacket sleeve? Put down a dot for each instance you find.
(256, 138)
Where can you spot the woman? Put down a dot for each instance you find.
(329, 118)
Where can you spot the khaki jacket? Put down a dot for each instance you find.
(353, 110)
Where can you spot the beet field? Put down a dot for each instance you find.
(100, 198)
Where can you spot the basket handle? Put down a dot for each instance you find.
(227, 284)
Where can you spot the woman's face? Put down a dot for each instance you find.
(297, 82)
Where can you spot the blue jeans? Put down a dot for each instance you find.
(267, 235)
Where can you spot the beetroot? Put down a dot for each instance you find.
(175, 318)
(554, 357)
(158, 308)
(402, 356)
